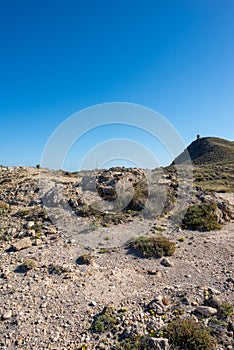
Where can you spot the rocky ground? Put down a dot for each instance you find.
(59, 276)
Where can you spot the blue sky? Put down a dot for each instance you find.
(58, 57)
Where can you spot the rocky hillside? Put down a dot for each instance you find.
(208, 150)
(213, 163)
(111, 260)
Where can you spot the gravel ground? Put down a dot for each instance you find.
(53, 303)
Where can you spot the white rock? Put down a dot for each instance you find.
(159, 344)
(206, 310)
(93, 303)
(7, 315)
(30, 224)
(166, 262)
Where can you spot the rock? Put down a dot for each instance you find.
(185, 301)
(127, 333)
(22, 244)
(166, 262)
(88, 183)
(154, 273)
(231, 326)
(93, 303)
(37, 242)
(5, 274)
(43, 305)
(230, 280)
(214, 291)
(30, 224)
(31, 232)
(159, 344)
(50, 230)
(206, 310)
(7, 315)
(156, 307)
(214, 302)
(166, 301)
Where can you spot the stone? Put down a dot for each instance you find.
(5, 274)
(156, 306)
(93, 303)
(206, 310)
(22, 244)
(166, 301)
(214, 291)
(30, 224)
(31, 232)
(166, 262)
(159, 344)
(154, 272)
(37, 242)
(50, 230)
(7, 315)
(214, 302)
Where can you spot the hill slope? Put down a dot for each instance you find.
(208, 150)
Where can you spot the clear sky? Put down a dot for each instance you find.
(60, 56)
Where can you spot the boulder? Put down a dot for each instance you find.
(22, 244)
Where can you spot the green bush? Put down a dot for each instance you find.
(28, 264)
(57, 269)
(201, 217)
(187, 334)
(4, 208)
(135, 342)
(226, 310)
(105, 321)
(157, 246)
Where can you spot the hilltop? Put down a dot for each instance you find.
(213, 163)
(208, 150)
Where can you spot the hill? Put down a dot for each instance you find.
(208, 150)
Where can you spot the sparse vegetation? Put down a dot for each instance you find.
(85, 259)
(4, 208)
(161, 297)
(158, 228)
(201, 217)
(135, 342)
(156, 246)
(105, 321)
(226, 310)
(103, 250)
(57, 269)
(28, 264)
(218, 177)
(187, 334)
(208, 150)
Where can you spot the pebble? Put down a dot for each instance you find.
(206, 310)
(93, 303)
(7, 315)
(30, 224)
(154, 273)
(166, 262)
(214, 302)
(22, 244)
(159, 344)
